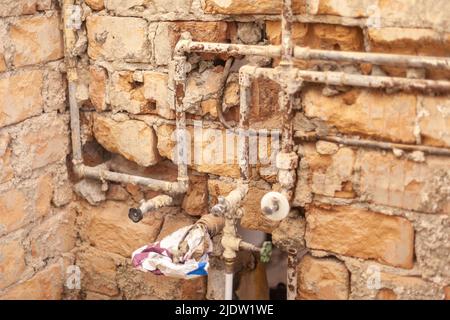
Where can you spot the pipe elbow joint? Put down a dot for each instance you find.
(182, 46)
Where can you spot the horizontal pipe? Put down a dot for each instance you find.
(306, 53)
(137, 214)
(396, 60)
(249, 247)
(341, 78)
(376, 82)
(156, 203)
(153, 184)
(377, 144)
(233, 49)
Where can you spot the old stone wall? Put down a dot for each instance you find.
(37, 218)
(375, 223)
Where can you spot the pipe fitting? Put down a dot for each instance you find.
(137, 214)
(246, 75)
(182, 46)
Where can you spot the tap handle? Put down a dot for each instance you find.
(266, 252)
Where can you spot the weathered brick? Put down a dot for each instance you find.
(36, 40)
(202, 91)
(367, 113)
(131, 138)
(386, 294)
(6, 169)
(123, 7)
(249, 6)
(44, 194)
(99, 271)
(408, 287)
(13, 210)
(44, 142)
(409, 41)
(167, 34)
(417, 13)
(114, 38)
(345, 8)
(97, 87)
(156, 91)
(54, 236)
(96, 4)
(332, 175)
(20, 97)
(319, 36)
(361, 233)
(108, 228)
(45, 285)
(402, 13)
(322, 279)
(402, 183)
(2, 62)
(149, 95)
(54, 93)
(215, 151)
(21, 7)
(174, 221)
(137, 285)
(196, 201)
(12, 261)
(434, 120)
(209, 158)
(412, 41)
(380, 178)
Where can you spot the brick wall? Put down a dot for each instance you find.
(37, 219)
(375, 222)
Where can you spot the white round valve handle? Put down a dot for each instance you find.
(275, 206)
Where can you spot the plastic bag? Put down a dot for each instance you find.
(183, 254)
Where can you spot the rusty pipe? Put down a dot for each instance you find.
(287, 47)
(341, 78)
(137, 214)
(180, 76)
(243, 131)
(100, 173)
(70, 38)
(438, 151)
(396, 60)
(305, 53)
(292, 274)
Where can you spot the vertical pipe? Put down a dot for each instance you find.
(286, 64)
(70, 38)
(245, 83)
(292, 274)
(228, 286)
(286, 104)
(181, 132)
(287, 48)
